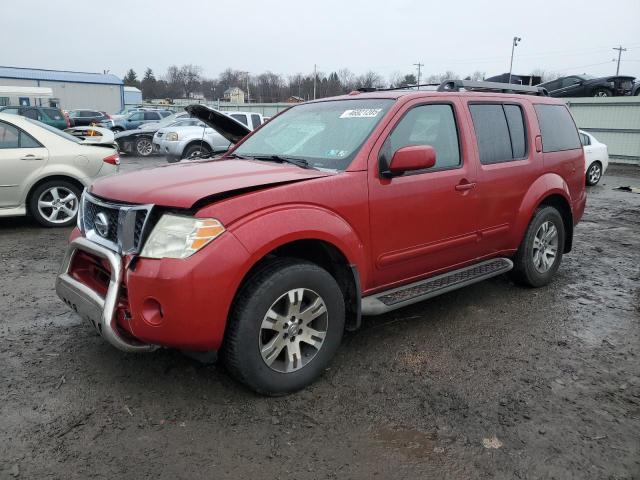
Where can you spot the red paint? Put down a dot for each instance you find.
(393, 229)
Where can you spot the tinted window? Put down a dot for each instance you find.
(9, 136)
(255, 119)
(515, 121)
(10, 110)
(31, 113)
(27, 141)
(165, 113)
(429, 125)
(240, 118)
(557, 128)
(492, 133)
(53, 113)
(585, 140)
(151, 116)
(567, 82)
(136, 116)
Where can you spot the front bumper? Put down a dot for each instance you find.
(169, 149)
(97, 309)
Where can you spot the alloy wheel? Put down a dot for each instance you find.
(58, 204)
(144, 147)
(594, 173)
(293, 330)
(545, 247)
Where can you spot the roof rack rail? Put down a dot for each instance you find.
(457, 85)
(403, 87)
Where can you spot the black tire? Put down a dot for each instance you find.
(143, 146)
(602, 92)
(196, 151)
(43, 192)
(241, 349)
(594, 174)
(524, 270)
(117, 129)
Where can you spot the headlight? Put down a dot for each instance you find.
(180, 237)
(171, 137)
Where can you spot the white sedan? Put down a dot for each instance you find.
(44, 170)
(596, 158)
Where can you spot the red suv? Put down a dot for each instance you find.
(334, 209)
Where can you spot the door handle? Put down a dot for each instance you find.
(30, 157)
(463, 187)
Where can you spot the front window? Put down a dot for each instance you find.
(325, 134)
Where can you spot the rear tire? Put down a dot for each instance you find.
(602, 92)
(278, 342)
(540, 252)
(55, 203)
(196, 151)
(117, 129)
(594, 174)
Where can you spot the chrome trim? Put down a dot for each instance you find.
(99, 311)
(126, 225)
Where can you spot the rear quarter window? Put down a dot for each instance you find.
(558, 130)
(53, 113)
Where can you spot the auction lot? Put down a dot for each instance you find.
(551, 377)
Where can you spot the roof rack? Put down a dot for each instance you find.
(403, 87)
(457, 85)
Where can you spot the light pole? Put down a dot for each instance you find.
(513, 47)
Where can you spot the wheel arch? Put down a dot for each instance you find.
(197, 142)
(66, 178)
(548, 190)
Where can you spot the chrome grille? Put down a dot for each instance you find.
(125, 227)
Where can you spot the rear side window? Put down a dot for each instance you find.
(585, 140)
(32, 113)
(557, 128)
(53, 113)
(151, 116)
(241, 118)
(12, 137)
(165, 113)
(433, 125)
(500, 132)
(255, 119)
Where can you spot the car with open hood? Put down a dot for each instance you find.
(589, 86)
(335, 209)
(43, 170)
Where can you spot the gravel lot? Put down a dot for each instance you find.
(492, 381)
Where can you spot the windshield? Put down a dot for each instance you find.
(60, 133)
(325, 134)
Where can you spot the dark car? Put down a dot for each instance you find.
(49, 115)
(589, 86)
(139, 141)
(83, 118)
(636, 89)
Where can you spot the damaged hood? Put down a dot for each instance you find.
(228, 127)
(186, 183)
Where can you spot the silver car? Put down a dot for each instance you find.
(43, 170)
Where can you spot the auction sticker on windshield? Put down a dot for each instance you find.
(361, 113)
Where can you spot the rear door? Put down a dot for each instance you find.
(134, 120)
(508, 165)
(21, 157)
(423, 221)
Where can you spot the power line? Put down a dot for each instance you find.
(620, 50)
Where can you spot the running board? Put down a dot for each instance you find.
(388, 300)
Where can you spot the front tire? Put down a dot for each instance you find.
(144, 147)
(594, 174)
(55, 203)
(285, 327)
(540, 252)
(197, 151)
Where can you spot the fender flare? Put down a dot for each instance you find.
(295, 222)
(543, 187)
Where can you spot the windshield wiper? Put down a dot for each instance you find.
(299, 162)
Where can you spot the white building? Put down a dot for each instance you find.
(70, 90)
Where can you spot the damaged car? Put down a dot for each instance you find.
(589, 86)
(138, 141)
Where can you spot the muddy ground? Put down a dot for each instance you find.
(550, 376)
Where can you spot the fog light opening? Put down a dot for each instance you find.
(152, 312)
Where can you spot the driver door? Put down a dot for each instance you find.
(423, 222)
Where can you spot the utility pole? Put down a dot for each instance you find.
(419, 65)
(248, 93)
(315, 76)
(620, 50)
(513, 47)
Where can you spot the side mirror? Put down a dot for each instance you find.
(414, 157)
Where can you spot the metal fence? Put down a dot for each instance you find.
(614, 121)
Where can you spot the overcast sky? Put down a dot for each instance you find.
(290, 36)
